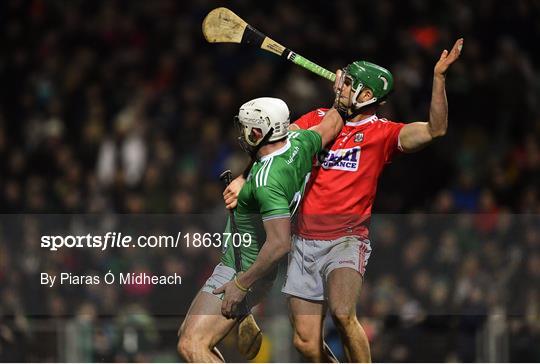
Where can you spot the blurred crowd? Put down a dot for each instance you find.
(122, 107)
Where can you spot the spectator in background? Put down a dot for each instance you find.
(124, 156)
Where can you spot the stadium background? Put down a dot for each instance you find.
(121, 107)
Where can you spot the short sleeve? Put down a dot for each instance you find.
(391, 132)
(272, 202)
(311, 140)
(310, 119)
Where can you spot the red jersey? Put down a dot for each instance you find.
(343, 182)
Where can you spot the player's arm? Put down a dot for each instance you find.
(415, 136)
(329, 127)
(333, 120)
(277, 245)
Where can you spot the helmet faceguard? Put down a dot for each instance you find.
(245, 139)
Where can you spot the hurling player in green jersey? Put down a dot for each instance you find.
(269, 197)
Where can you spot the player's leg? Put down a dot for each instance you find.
(204, 325)
(344, 286)
(305, 288)
(344, 271)
(307, 319)
(203, 328)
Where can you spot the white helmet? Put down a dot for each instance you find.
(264, 113)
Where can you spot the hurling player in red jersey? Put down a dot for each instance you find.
(331, 248)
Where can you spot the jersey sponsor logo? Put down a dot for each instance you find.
(341, 159)
(293, 155)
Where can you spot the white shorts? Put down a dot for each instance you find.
(223, 274)
(311, 261)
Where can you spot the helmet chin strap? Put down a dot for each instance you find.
(357, 106)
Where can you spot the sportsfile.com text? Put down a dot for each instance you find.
(121, 240)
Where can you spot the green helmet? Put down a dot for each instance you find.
(367, 74)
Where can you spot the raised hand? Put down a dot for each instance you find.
(447, 58)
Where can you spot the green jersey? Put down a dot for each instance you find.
(273, 189)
